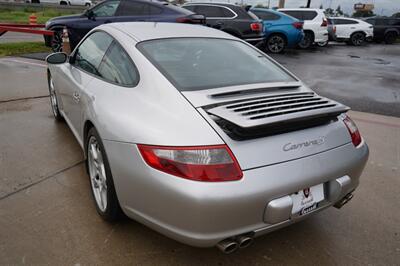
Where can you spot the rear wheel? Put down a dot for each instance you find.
(276, 43)
(307, 41)
(357, 38)
(101, 180)
(56, 41)
(390, 37)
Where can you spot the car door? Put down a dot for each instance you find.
(100, 14)
(82, 69)
(340, 28)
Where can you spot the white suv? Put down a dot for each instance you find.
(353, 31)
(315, 24)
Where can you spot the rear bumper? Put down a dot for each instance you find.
(202, 214)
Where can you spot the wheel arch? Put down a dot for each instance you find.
(282, 34)
(86, 127)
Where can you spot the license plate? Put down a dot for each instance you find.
(306, 200)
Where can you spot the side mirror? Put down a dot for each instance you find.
(57, 58)
(89, 14)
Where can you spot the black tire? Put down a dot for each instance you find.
(63, 3)
(276, 43)
(53, 99)
(35, 2)
(112, 211)
(357, 39)
(307, 41)
(56, 41)
(390, 37)
(87, 5)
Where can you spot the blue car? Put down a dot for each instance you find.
(281, 30)
(110, 11)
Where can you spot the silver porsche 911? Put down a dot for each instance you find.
(201, 136)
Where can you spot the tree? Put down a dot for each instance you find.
(339, 11)
(396, 15)
(329, 12)
(363, 14)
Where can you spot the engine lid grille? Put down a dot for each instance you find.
(272, 109)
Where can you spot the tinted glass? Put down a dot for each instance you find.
(154, 10)
(265, 15)
(309, 15)
(227, 13)
(371, 21)
(90, 53)
(191, 8)
(132, 8)
(116, 67)
(202, 63)
(295, 14)
(107, 9)
(210, 11)
(394, 22)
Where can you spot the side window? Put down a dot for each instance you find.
(295, 14)
(117, 68)
(89, 54)
(309, 15)
(348, 21)
(394, 22)
(154, 10)
(107, 9)
(209, 11)
(131, 8)
(191, 8)
(226, 13)
(265, 15)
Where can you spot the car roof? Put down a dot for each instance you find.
(143, 31)
(211, 3)
(300, 9)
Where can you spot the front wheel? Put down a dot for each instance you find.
(101, 180)
(56, 41)
(307, 41)
(357, 39)
(53, 99)
(276, 44)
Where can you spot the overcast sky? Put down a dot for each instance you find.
(382, 7)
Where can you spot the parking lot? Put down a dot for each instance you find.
(47, 215)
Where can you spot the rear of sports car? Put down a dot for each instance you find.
(283, 152)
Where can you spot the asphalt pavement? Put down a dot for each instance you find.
(9, 37)
(47, 215)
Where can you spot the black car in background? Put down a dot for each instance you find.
(230, 18)
(385, 29)
(116, 11)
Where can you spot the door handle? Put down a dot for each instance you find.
(76, 97)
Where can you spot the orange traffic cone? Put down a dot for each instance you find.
(66, 47)
(33, 19)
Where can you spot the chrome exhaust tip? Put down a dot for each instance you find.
(244, 241)
(343, 201)
(227, 246)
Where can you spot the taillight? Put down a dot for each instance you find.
(256, 26)
(298, 25)
(192, 19)
(200, 163)
(353, 130)
(183, 20)
(334, 29)
(324, 23)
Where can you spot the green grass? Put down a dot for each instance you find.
(22, 48)
(22, 15)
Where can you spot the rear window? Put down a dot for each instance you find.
(205, 63)
(265, 15)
